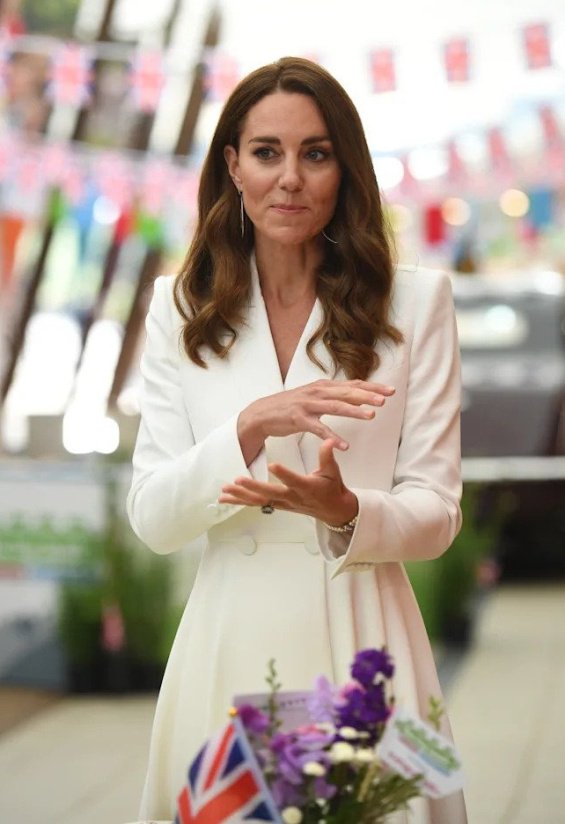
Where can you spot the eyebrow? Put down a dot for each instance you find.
(324, 138)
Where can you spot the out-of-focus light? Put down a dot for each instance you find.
(514, 203)
(389, 171)
(455, 211)
(105, 211)
(85, 432)
(400, 217)
(427, 163)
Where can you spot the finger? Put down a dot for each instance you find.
(241, 496)
(262, 488)
(316, 427)
(328, 464)
(344, 408)
(287, 476)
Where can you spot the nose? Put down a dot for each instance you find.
(290, 179)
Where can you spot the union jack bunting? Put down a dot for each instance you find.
(383, 70)
(147, 77)
(537, 46)
(71, 75)
(225, 784)
(221, 75)
(457, 61)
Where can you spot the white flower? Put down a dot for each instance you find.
(364, 755)
(348, 733)
(291, 815)
(314, 768)
(341, 751)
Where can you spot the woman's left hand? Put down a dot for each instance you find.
(321, 494)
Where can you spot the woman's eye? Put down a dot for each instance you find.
(316, 154)
(264, 153)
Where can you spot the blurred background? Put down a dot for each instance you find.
(106, 111)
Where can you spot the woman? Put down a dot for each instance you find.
(301, 407)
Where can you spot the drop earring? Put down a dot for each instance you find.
(241, 213)
(331, 240)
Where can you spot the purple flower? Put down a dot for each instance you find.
(369, 664)
(290, 752)
(321, 702)
(365, 709)
(253, 719)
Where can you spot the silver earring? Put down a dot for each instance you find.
(241, 213)
(331, 240)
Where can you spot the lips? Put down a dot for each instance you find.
(288, 208)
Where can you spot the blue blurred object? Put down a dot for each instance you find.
(83, 213)
(542, 202)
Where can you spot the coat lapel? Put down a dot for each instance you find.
(255, 363)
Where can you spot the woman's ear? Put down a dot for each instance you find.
(232, 162)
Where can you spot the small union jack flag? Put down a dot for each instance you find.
(147, 78)
(225, 784)
(537, 46)
(221, 75)
(383, 70)
(456, 58)
(71, 75)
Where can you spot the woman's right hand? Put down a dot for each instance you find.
(300, 410)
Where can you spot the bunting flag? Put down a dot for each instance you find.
(457, 60)
(456, 170)
(550, 127)
(71, 76)
(156, 184)
(537, 46)
(434, 225)
(383, 70)
(221, 75)
(147, 78)
(114, 178)
(500, 160)
(5, 54)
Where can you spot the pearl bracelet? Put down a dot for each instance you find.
(348, 527)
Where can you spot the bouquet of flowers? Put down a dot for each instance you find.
(353, 756)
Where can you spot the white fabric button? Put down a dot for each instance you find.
(246, 544)
(311, 545)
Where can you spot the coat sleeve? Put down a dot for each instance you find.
(176, 481)
(419, 518)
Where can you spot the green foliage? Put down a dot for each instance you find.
(56, 17)
(272, 703)
(445, 587)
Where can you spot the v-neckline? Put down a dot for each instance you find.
(309, 328)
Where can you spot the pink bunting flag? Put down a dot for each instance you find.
(382, 70)
(147, 78)
(457, 60)
(71, 75)
(537, 46)
(221, 75)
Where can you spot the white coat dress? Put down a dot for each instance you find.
(282, 586)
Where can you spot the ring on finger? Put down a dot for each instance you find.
(268, 508)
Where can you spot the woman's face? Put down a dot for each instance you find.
(286, 169)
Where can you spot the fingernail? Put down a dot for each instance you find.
(343, 445)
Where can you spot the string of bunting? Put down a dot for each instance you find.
(70, 73)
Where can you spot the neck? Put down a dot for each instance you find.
(287, 274)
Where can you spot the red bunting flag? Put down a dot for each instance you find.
(550, 126)
(71, 77)
(537, 46)
(221, 75)
(456, 59)
(147, 77)
(383, 70)
(434, 225)
(497, 149)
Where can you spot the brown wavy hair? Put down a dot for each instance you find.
(354, 280)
